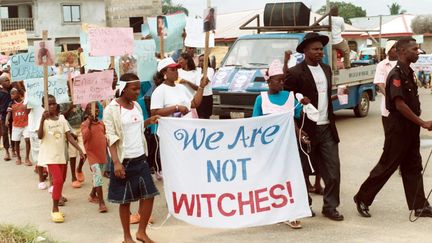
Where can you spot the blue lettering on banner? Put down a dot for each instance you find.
(228, 171)
(265, 136)
(210, 140)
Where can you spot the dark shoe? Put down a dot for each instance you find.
(424, 212)
(333, 215)
(362, 208)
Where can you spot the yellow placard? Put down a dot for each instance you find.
(13, 40)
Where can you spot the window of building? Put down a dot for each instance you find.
(71, 13)
(135, 23)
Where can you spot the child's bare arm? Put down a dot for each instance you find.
(74, 143)
(45, 115)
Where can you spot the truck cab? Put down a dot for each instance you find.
(240, 77)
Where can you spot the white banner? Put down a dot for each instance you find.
(232, 173)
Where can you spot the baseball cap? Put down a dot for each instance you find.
(166, 63)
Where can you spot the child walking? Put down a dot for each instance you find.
(95, 144)
(53, 130)
(18, 111)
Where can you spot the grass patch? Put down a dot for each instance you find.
(27, 234)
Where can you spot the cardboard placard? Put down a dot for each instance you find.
(13, 40)
(93, 87)
(23, 67)
(110, 41)
(57, 86)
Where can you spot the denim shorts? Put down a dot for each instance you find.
(138, 183)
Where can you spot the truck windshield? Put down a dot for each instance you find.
(259, 53)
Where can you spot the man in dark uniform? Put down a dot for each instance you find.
(313, 79)
(402, 143)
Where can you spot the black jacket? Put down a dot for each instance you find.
(300, 80)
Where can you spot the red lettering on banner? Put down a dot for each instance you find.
(290, 196)
(278, 196)
(198, 200)
(184, 200)
(221, 210)
(249, 202)
(259, 200)
(209, 205)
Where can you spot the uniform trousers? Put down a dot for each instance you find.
(401, 148)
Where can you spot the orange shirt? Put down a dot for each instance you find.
(19, 114)
(95, 142)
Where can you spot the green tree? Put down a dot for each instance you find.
(395, 9)
(169, 8)
(346, 10)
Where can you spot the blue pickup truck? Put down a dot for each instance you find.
(240, 77)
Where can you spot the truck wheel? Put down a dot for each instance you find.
(362, 109)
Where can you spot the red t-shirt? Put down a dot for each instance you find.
(95, 142)
(19, 114)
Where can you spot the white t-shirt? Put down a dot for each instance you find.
(208, 88)
(165, 95)
(190, 76)
(338, 26)
(34, 118)
(381, 73)
(132, 124)
(321, 84)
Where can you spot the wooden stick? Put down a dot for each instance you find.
(93, 108)
(65, 48)
(162, 47)
(45, 68)
(206, 54)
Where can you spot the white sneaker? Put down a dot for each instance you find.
(42, 186)
(50, 189)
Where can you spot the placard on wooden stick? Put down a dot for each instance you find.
(45, 37)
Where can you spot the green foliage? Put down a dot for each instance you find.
(28, 234)
(169, 8)
(346, 10)
(395, 9)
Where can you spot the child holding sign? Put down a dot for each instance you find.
(19, 114)
(95, 143)
(53, 130)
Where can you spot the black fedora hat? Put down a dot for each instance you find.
(312, 37)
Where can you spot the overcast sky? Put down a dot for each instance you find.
(372, 7)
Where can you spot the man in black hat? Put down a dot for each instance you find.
(313, 79)
(402, 141)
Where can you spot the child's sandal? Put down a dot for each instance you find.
(57, 217)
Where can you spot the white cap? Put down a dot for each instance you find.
(166, 62)
(389, 45)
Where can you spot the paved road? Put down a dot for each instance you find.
(362, 141)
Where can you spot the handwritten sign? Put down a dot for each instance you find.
(57, 86)
(13, 40)
(195, 37)
(110, 41)
(93, 87)
(173, 39)
(215, 171)
(23, 67)
(89, 62)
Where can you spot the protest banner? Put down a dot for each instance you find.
(173, 39)
(93, 87)
(57, 86)
(23, 67)
(89, 62)
(14, 40)
(222, 77)
(110, 41)
(232, 174)
(144, 51)
(195, 37)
